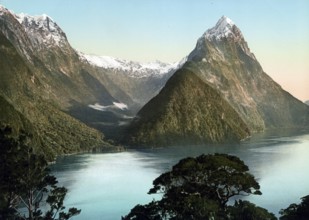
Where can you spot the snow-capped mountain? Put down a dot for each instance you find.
(223, 30)
(105, 92)
(79, 83)
(221, 93)
(15, 33)
(223, 59)
(133, 69)
(139, 81)
(42, 30)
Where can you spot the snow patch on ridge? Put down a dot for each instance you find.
(134, 69)
(42, 29)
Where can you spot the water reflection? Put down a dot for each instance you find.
(106, 186)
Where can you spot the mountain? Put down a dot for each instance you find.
(132, 84)
(186, 111)
(138, 81)
(42, 79)
(102, 96)
(221, 60)
(59, 93)
(22, 108)
(307, 102)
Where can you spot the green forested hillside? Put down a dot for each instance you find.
(187, 110)
(23, 106)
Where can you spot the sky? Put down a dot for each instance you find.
(277, 31)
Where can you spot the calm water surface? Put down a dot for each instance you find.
(107, 186)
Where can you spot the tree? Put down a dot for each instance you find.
(151, 211)
(244, 210)
(199, 188)
(25, 181)
(296, 211)
(8, 177)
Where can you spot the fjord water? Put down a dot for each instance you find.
(107, 186)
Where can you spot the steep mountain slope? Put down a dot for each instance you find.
(186, 111)
(223, 59)
(54, 67)
(23, 107)
(220, 94)
(76, 83)
(17, 121)
(44, 46)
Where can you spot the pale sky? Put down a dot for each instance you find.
(277, 31)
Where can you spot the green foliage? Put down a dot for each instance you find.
(296, 211)
(217, 177)
(25, 181)
(186, 111)
(244, 210)
(55, 201)
(199, 188)
(151, 211)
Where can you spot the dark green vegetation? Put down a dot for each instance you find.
(296, 211)
(199, 188)
(25, 182)
(187, 110)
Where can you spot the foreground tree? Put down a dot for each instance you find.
(296, 211)
(198, 188)
(25, 182)
(244, 210)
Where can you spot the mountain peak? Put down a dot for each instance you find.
(223, 29)
(42, 28)
(37, 18)
(3, 10)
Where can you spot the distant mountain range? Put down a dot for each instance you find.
(217, 93)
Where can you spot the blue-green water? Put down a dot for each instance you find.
(107, 186)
